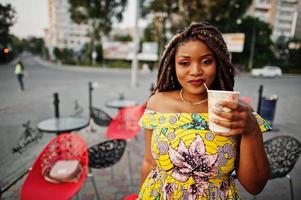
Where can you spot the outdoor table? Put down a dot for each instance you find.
(62, 124)
(120, 103)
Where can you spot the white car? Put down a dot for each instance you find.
(267, 71)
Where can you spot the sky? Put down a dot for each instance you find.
(32, 17)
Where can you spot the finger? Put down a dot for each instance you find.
(233, 106)
(228, 104)
(231, 116)
(229, 124)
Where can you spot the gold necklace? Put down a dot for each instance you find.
(192, 103)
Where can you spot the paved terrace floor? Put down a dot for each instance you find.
(120, 185)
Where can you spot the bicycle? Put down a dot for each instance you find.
(29, 136)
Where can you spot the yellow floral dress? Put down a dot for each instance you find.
(192, 162)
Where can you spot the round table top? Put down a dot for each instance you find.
(120, 103)
(62, 124)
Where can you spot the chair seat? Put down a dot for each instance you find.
(36, 187)
(131, 197)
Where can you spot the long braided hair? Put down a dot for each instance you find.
(203, 31)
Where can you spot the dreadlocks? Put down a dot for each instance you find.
(224, 79)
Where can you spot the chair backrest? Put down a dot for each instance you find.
(106, 154)
(283, 152)
(100, 117)
(125, 124)
(62, 147)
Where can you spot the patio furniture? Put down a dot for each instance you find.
(62, 147)
(125, 124)
(100, 117)
(283, 153)
(120, 103)
(133, 196)
(60, 125)
(105, 154)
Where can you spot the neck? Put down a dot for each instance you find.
(194, 103)
(194, 97)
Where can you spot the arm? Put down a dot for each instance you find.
(148, 162)
(253, 166)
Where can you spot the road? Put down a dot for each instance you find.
(45, 78)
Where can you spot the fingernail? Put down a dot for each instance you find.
(225, 109)
(218, 108)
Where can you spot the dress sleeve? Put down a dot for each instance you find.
(263, 124)
(147, 120)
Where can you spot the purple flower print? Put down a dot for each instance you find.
(168, 189)
(193, 162)
(224, 189)
(154, 176)
(193, 192)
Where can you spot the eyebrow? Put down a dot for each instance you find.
(184, 56)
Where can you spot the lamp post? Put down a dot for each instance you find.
(136, 46)
(161, 16)
(253, 40)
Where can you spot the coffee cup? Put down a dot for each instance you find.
(214, 97)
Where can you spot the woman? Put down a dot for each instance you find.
(183, 158)
(19, 72)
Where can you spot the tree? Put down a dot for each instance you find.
(99, 14)
(293, 62)
(35, 45)
(7, 19)
(224, 14)
(178, 14)
(262, 42)
(64, 55)
(123, 38)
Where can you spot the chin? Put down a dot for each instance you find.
(197, 91)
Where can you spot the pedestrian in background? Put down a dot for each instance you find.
(183, 158)
(19, 72)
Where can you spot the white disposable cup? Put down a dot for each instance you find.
(214, 97)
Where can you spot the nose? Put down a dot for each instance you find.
(196, 69)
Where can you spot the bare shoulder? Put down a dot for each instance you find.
(162, 102)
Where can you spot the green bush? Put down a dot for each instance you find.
(118, 64)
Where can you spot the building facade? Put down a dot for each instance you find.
(282, 15)
(286, 19)
(62, 31)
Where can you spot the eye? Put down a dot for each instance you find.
(206, 61)
(184, 63)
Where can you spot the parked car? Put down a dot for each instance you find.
(267, 71)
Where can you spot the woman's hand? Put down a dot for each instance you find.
(238, 117)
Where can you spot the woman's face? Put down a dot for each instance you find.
(195, 65)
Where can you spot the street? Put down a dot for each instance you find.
(44, 79)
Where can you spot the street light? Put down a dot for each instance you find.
(6, 50)
(252, 48)
(136, 46)
(161, 16)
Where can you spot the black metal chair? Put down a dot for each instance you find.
(105, 154)
(100, 117)
(283, 153)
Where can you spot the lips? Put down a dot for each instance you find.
(196, 82)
